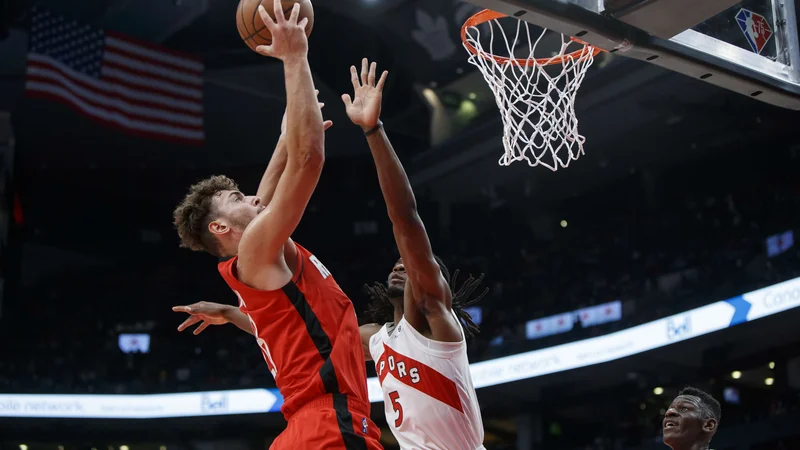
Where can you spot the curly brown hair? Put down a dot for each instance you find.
(192, 216)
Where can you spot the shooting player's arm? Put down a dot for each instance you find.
(271, 177)
(277, 164)
(262, 243)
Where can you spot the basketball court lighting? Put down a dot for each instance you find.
(472, 96)
(431, 97)
(736, 374)
(658, 390)
(563, 224)
(467, 109)
(771, 364)
(769, 381)
(123, 447)
(23, 447)
(163, 447)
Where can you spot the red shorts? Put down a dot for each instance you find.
(333, 422)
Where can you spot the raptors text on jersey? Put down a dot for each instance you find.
(427, 388)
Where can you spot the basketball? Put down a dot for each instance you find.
(252, 29)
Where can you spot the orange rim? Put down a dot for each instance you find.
(488, 15)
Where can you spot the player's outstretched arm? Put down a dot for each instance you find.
(277, 164)
(212, 314)
(432, 296)
(264, 239)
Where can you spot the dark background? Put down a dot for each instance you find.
(680, 180)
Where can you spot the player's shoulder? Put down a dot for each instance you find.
(370, 329)
(263, 274)
(383, 332)
(405, 332)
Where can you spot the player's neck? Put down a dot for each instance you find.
(398, 314)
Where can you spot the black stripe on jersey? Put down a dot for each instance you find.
(327, 372)
(345, 419)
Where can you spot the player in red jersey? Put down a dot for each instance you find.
(304, 324)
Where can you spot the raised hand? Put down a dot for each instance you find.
(364, 109)
(288, 35)
(206, 312)
(325, 125)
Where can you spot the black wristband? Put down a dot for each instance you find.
(373, 130)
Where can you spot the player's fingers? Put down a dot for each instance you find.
(278, 10)
(303, 23)
(321, 105)
(327, 124)
(265, 17)
(354, 77)
(200, 329)
(265, 50)
(295, 14)
(382, 81)
(371, 77)
(188, 322)
(186, 309)
(348, 102)
(364, 70)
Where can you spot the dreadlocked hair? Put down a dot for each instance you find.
(381, 310)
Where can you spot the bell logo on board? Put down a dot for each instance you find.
(756, 29)
(679, 327)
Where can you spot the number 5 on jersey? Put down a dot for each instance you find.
(398, 408)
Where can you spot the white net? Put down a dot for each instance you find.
(536, 97)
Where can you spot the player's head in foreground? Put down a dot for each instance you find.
(386, 299)
(213, 216)
(691, 420)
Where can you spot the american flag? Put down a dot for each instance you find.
(140, 88)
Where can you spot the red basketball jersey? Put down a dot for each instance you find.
(308, 333)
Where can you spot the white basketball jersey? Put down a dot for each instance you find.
(427, 390)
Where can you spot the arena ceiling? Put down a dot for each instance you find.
(416, 40)
(633, 114)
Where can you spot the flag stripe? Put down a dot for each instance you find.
(124, 76)
(146, 51)
(142, 66)
(37, 64)
(115, 126)
(114, 103)
(112, 116)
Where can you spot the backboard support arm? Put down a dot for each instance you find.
(690, 53)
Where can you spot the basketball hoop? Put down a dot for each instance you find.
(537, 104)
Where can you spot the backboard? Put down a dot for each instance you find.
(750, 47)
